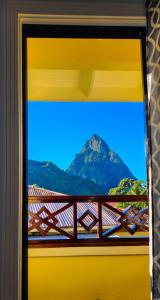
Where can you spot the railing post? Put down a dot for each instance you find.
(100, 228)
(75, 220)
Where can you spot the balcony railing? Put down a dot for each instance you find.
(55, 221)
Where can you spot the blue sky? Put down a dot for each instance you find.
(58, 130)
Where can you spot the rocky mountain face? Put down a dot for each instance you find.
(49, 176)
(100, 164)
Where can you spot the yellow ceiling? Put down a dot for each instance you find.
(68, 69)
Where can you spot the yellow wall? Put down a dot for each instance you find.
(103, 277)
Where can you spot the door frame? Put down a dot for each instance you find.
(13, 14)
(34, 19)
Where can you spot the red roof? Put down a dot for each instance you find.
(65, 218)
(37, 191)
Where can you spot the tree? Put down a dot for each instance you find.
(130, 187)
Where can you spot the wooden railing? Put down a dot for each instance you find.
(87, 220)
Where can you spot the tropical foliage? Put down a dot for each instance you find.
(130, 187)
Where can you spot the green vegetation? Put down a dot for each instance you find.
(130, 187)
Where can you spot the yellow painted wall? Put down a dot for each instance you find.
(103, 277)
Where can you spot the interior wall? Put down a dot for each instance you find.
(81, 7)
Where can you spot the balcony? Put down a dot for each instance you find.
(97, 249)
(87, 221)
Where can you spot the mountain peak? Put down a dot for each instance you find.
(95, 136)
(99, 163)
(96, 144)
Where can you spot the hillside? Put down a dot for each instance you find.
(49, 176)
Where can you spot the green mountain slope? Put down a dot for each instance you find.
(49, 176)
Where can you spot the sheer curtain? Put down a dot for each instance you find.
(153, 69)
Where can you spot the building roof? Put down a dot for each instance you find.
(37, 191)
(65, 218)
